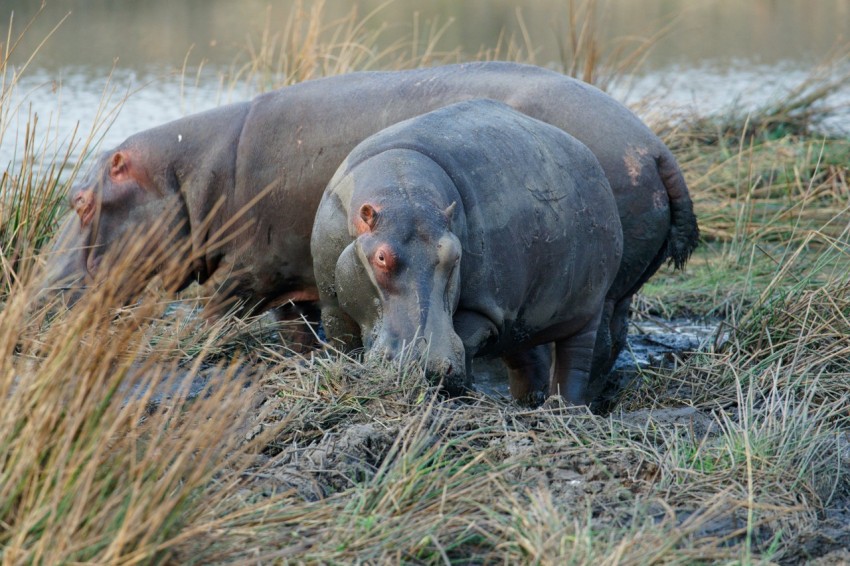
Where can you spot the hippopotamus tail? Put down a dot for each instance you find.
(684, 232)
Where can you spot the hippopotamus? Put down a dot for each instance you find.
(471, 230)
(283, 146)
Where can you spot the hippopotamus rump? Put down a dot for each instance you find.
(471, 230)
(208, 167)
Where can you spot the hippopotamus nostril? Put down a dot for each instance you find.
(382, 351)
(83, 204)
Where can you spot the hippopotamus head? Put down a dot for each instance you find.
(116, 203)
(412, 259)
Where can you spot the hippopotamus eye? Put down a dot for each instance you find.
(384, 258)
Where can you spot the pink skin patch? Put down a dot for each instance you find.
(633, 161)
(304, 295)
(383, 263)
(365, 221)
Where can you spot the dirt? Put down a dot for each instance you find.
(348, 448)
(828, 542)
(614, 483)
(352, 452)
(338, 461)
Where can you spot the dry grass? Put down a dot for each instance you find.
(258, 455)
(759, 205)
(91, 469)
(584, 57)
(766, 190)
(309, 47)
(726, 461)
(29, 192)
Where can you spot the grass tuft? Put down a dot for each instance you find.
(136, 431)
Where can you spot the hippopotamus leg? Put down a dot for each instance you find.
(341, 331)
(615, 318)
(300, 333)
(573, 360)
(528, 374)
(605, 350)
(619, 326)
(474, 330)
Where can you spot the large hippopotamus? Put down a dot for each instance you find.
(471, 230)
(206, 168)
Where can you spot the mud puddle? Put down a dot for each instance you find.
(654, 343)
(181, 384)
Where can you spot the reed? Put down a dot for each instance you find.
(761, 195)
(307, 46)
(583, 56)
(135, 431)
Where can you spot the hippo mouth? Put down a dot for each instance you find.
(89, 229)
(88, 207)
(89, 261)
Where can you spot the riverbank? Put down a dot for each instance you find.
(738, 452)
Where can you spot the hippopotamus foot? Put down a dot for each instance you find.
(573, 361)
(528, 374)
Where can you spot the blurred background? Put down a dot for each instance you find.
(172, 58)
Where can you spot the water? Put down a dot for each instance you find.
(717, 53)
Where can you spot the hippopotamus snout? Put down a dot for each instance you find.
(442, 357)
(64, 278)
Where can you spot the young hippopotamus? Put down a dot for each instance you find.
(472, 230)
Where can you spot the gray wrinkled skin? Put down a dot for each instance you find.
(291, 141)
(471, 230)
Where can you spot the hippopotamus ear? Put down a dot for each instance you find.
(123, 167)
(119, 166)
(449, 213)
(368, 218)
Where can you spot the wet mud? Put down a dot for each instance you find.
(336, 448)
(655, 343)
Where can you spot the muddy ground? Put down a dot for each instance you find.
(327, 452)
